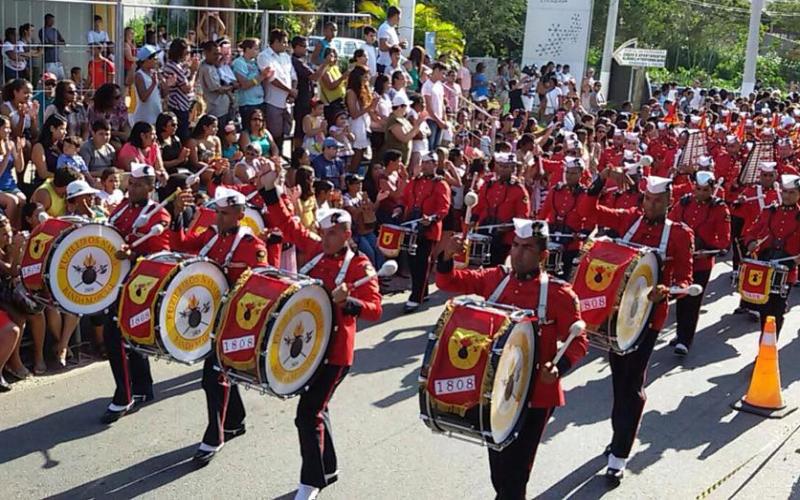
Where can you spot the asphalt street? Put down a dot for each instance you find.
(52, 444)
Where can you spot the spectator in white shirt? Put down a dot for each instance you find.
(697, 98)
(14, 60)
(566, 75)
(370, 35)
(465, 75)
(279, 88)
(552, 99)
(388, 38)
(433, 92)
(97, 35)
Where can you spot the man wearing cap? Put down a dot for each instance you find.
(426, 199)
(728, 161)
(235, 248)
(328, 166)
(776, 235)
(80, 200)
(500, 200)
(133, 218)
(628, 195)
(560, 210)
(647, 226)
(785, 157)
(526, 285)
(709, 218)
(612, 155)
(338, 267)
(683, 180)
(748, 205)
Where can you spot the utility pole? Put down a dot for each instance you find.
(608, 45)
(751, 53)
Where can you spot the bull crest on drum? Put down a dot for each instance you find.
(297, 340)
(90, 271)
(755, 277)
(194, 312)
(248, 310)
(465, 348)
(600, 275)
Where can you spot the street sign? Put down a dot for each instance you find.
(641, 58)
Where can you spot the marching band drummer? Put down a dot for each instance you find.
(560, 211)
(337, 266)
(776, 235)
(645, 225)
(709, 218)
(425, 197)
(133, 218)
(235, 248)
(524, 285)
(499, 201)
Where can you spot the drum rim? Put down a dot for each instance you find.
(612, 320)
(51, 253)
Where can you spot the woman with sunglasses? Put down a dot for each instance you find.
(173, 153)
(67, 106)
(255, 131)
(107, 104)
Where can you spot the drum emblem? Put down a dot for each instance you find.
(249, 309)
(297, 340)
(465, 348)
(39, 244)
(755, 277)
(194, 312)
(86, 271)
(600, 274)
(139, 288)
(90, 270)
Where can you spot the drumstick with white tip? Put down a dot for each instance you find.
(154, 231)
(387, 269)
(470, 200)
(574, 330)
(720, 182)
(691, 290)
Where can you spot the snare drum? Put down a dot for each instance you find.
(612, 281)
(555, 258)
(479, 249)
(169, 304)
(393, 239)
(207, 217)
(477, 372)
(70, 263)
(757, 280)
(274, 330)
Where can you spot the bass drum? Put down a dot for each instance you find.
(169, 304)
(71, 263)
(274, 330)
(612, 281)
(477, 372)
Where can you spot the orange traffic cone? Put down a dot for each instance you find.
(764, 395)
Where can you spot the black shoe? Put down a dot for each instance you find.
(681, 350)
(410, 307)
(234, 433)
(741, 310)
(142, 399)
(110, 416)
(614, 476)
(203, 457)
(4, 386)
(673, 342)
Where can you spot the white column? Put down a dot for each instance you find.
(608, 44)
(405, 30)
(751, 53)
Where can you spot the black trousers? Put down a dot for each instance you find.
(313, 424)
(775, 306)
(566, 258)
(511, 467)
(420, 266)
(131, 369)
(628, 376)
(223, 402)
(687, 310)
(737, 224)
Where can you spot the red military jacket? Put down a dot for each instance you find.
(501, 201)
(629, 198)
(786, 166)
(560, 210)
(676, 270)
(427, 195)
(562, 311)
(727, 166)
(779, 228)
(751, 201)
(250, 251)
(124, 217)
(612, 156)
(364, 301)
(711, 223)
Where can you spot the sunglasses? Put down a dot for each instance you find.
(256, 119)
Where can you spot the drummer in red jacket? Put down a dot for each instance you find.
(134, 218)
(521, 286)
(709, 218)
(647, 226)
(776, 235)
(338, 267)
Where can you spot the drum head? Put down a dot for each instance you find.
(187, 310)
(83, 274)
(512, 382)
(298, 340)
(634, 306)
(254, 220)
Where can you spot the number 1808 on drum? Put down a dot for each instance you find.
(453, 385)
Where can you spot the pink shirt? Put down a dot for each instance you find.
(129, 151)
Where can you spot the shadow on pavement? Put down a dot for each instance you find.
(137, 479)
(76, 422)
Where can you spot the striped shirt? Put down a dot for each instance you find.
(177, 98)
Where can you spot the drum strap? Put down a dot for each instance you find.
(348, 257)
(240, 233)
(662, 246)
(544, 279)
(144, 216)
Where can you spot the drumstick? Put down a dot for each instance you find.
(145, 214)
(196, 176)
(574, 330)
(154, 231)
(414, 221)
(708, 252)
(784, 259)
(470, 200)
(692, 290)
(720, 181)
(387, 269)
